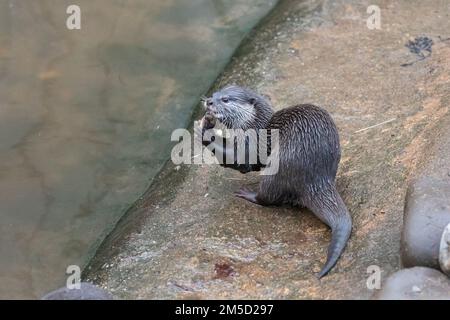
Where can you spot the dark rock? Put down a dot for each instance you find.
(427, 213)
(417, 283)
(419, 45)
(87, 291)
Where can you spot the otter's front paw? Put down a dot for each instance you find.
(208, 122)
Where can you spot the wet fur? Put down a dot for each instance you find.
(309, 157)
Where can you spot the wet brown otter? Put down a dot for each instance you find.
(309, 154)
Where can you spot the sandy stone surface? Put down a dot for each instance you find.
(189, 237)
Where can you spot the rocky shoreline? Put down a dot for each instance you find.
(188, 237)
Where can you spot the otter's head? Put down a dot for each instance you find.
(239, 108)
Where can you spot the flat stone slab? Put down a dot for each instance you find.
(189, 237)
(427, 213)
(417, 283)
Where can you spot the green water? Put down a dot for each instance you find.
(86, 117)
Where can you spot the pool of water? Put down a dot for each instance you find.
(86, 117)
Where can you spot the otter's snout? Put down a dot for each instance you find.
(211, 107)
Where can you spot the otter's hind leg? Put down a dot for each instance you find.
(248, 195)
(267, 194)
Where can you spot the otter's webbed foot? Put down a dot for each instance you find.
(248, 195)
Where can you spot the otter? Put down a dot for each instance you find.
(309, 155)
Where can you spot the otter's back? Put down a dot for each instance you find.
(309, 142)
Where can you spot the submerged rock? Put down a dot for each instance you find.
(87, 291)
(427, 213)
(417, 283)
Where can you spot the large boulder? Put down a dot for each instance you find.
(427, 213)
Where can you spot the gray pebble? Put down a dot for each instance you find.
(417, 283)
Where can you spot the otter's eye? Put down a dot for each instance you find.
(225, 99)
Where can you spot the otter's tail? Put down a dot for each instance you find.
(328, 206)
